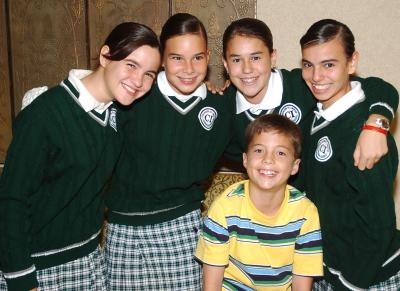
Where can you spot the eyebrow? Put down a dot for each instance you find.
(235, 55)
(324, 61)
(179, 55)
(139, 66)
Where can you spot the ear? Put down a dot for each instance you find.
(225, 64)
(274, 57)
(208, 55)
(245, 160)
(353, 62)
(296, 165)
(103, 52)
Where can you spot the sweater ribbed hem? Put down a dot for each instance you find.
(66, 256)
(135, 220)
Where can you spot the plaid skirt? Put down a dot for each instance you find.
(83, 274)
(154, 257)
(391, 284)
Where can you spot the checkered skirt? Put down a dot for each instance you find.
(83, 274)
(391, 284)
(154, 257)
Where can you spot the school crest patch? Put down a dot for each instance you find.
(113, 118)
(207, 116)
(324, 149)
(291, 111)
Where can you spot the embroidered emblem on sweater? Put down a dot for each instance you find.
(291, 111)
(207, 116)
(324, 149)
(113, 118)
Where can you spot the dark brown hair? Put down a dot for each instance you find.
(127, 37)
(327, 29)
(249, 27)
(279, 124)
(180, 24)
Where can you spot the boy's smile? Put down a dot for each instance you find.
(270, 162)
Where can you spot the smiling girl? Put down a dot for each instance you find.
(174, 138)
(64, 149)
(249, 58)
(360, 240)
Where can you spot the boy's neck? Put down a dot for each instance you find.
(267, 202)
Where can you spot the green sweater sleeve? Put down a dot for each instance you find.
(381, 96)
(21, 177)
(373, 220)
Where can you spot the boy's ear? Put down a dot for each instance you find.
(245, 160)
(296, 165)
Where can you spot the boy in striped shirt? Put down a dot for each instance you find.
(262, 233)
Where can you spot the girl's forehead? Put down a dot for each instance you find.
(191, 35)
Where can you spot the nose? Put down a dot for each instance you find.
(268, 158)
(247, 67)
(189, 67)
(137, 80)
(316, 74)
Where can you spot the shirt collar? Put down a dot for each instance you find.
(167, 90)
(272, 98)
(354, 96)
(85, 99)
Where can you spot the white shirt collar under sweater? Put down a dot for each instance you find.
(167, 90)
(87, 100)
(354, 96)
(272, 98)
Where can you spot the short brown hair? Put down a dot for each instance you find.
(278, 123)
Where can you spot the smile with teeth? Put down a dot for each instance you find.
(320, 86)
(187, 80)
(249, 81)
(129, 88)
(267, 172)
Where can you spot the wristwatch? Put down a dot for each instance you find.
(382, 123)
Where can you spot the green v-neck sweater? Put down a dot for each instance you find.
(51, 201)
(298, 102)
(167, 156)
(356, 208)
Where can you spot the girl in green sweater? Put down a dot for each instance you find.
(174, 138)
(360, 240)
(65, 146)
(249, 58)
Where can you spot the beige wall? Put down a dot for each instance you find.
(375, 24)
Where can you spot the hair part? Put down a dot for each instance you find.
(127, 37)
(248, 27)
(275, 123)
(326, 30)
(180, 24)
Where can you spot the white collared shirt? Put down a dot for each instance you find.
(272, 98)
(86, 100)
(167, 90)
(354, 96)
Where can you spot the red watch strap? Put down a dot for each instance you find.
(378, 129)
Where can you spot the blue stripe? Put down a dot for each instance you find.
(247, 224)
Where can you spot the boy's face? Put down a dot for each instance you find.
(270, 161)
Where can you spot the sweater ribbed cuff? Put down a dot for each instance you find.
(23, 283)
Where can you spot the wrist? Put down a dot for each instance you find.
(375, 128)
